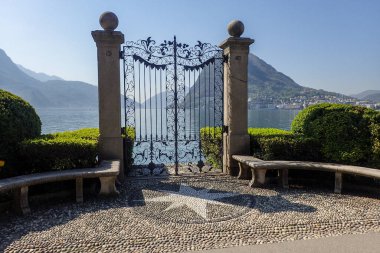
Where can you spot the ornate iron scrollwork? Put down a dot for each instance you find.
(171, 90)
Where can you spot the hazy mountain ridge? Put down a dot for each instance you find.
(365, 93)
(14, 80)
(38, 75)
(265, 81)
(154, 102)
(51, 93)
(371, 95)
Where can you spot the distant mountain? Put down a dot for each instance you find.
(192, 93)
(71, 93)
(371, 95)
(39, 76)
(373, 98)
(264, 82)
(156, 101)
(52, 93)
(202, 92)
(14, 80)
(363, 94)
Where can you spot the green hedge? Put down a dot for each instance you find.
(128, 142)
(212, 145)
(375, 131)
(258, 134)
(84, 133)
(66, 150)
(289, 147)
(278, 144)
(348, 134)
(265, 143)
(60, 151)
(18, 121)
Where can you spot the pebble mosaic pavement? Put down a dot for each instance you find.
(177, 214)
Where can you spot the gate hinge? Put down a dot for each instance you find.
(225, 58)
(224, 129)
(121, 54)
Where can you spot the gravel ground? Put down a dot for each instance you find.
(177, 214)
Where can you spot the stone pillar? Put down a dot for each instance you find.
(108, 44)
(235, 139)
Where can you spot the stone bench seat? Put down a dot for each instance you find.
(250, 167)
(106, 172)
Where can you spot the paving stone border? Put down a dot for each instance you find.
(119, 225)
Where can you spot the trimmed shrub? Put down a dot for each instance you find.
(375, 138)
(268, 132)
(18, 121)
(347, 133)
(128, 142)
(60, 151)
(212, 145)
(265, 143)
(289, 147)
(84, 133)
(66, 150)
(278, 144)
(257, 134)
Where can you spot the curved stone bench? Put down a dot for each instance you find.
(106, 172)
(258, 169)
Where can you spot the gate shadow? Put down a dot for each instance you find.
(264, 204)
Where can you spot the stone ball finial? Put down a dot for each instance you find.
(108, 21)
(235, 28)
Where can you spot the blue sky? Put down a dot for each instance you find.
(323, 44)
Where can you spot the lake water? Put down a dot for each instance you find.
(278, 118)
(57, 120)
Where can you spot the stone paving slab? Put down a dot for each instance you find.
(176, 214)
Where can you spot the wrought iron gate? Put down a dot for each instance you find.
(171, 91)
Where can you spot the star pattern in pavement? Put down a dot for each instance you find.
(196, 200)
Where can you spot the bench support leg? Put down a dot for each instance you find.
(284, 173)
(258, 177)
(338, 182)
(79, 190)
(244, 172)
(21, 202)
(107, 186)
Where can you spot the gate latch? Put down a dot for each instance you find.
(224, 129)
(225, 58)
(121, 54)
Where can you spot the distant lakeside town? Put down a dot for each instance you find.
(301, 102)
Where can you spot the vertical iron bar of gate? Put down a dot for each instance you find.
(125, 95)
(175, 108)
(200, 162)
(124, 129)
